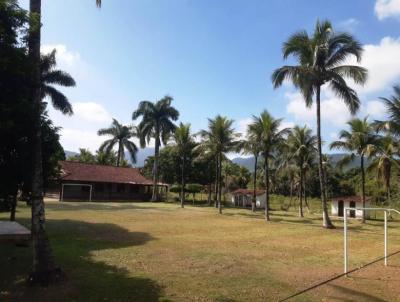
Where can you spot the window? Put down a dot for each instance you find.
(120, 188)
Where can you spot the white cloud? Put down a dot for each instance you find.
(286, 124)
(333, 110)
(74, 139)
(383, 64)
(375, 109)
(349, 25)
(387, 8)
(63, 54)
(91, 112)
(242, 125)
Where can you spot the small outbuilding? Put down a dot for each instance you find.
(243, 198)
(339, 203)
(81, 181)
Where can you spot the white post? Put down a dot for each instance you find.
(385, 235)
(90, 194)
(62, 192)
(345, 239)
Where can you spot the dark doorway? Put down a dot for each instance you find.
(340, 208)
(352, 212)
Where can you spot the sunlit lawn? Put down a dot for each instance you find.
(159, 252)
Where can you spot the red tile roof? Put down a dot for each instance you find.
(247, 192)
(75, 171)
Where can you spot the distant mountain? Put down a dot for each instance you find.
(334, 158)
(141, 156)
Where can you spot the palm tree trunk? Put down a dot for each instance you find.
(155, 167)
(119, 157)
(13, 207)
(327, 223)
(363, 186)
(266, 172)
(43, 262)
(219, 183)
(183, 183)
(216, 182)
(209, 194)
(253, 204)
(301, 194)
(305, 191)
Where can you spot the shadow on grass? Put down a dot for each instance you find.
(99, 206)
(74, 244)
(353, 295)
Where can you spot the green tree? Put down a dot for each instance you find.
(299, 149)
(320, 61)
(219, 139)
(272, 137)
(385, 159)
(120, 136)
(184, 144)
(392, 104)
(156, 124)
(84, 156)
(252, 145)
(361, 140)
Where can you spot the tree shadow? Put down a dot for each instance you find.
(354, 295)
(74, 244)
(98, 206)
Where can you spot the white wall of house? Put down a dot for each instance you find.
(245, 200)
(346, 204)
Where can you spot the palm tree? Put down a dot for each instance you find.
(219, 139)
(120, 135)
(43, 263)
(392, 105)
(184, 144)
(361, 140)
(385, 159)
(300, 147)
(271, 139)
(156, 124)
(50, 76)
(320, 61)
(252, 145)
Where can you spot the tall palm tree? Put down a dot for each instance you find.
(392, 104)
(43, 261)
(385, 159)
(184, 144)
(50, 76)
(120, 135)
(271, 136)
(299, 148)
(361, 140)
(156, 124)
(219, 139)
(252, 145)
(320, 61)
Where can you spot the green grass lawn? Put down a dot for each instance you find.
(159, 252)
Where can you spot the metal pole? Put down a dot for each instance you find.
(385, 239)
(62, 192)
(90, 195)
(345, 240)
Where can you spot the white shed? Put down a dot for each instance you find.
(339, 203)
(243, 198)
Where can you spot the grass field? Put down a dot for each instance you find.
(159, 252)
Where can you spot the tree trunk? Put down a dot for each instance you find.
(266, 172)
(363, 186)
(13, 207)
(301, 194)
(44, 269)
(155, 167)
(216, 183)
(209, 194)
(119, 157)
(327, 223)
(305, 191)
(219, 182)
(253, 204)
(183, 183)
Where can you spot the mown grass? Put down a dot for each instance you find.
(159, 252)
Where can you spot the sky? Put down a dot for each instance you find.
(212, 57)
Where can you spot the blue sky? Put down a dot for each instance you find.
(211, 56)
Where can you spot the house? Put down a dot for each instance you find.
(80, 181)
(339, 203)
(243, 198)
